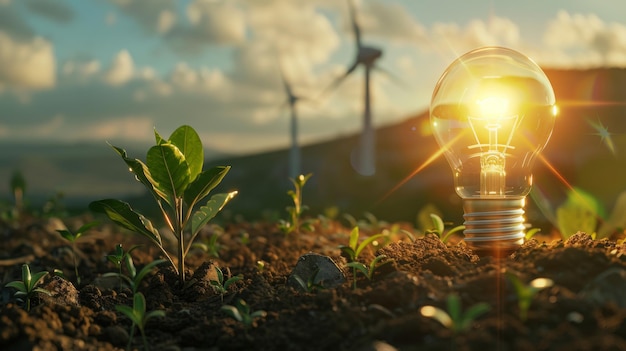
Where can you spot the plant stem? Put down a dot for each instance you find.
(181, 241)
(75, 265)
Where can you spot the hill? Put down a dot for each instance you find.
(575, 151)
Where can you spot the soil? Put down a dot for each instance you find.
(585, 309)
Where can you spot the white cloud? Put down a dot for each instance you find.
(81, 69)
(121, 69)
(585, 40)
(387, 20)
(26, 65)
(154, 16)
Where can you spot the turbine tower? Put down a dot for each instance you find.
(367, 56)
(294, 150)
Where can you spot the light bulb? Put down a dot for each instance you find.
(492, 112)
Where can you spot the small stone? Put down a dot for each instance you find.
(62, 292)
(319, 268)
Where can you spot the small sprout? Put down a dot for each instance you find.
(439, 228)
(220, 286)
(294, 223)
(526, 293)
(241, 313)
(309, 285)
(529, 234)
(72, 237)
(209, 246)
(455, 319)
(354, 249)
(134, 278)
(28, 286)
(138, 316)
(368, 271)
(260, 266)
(18, 187)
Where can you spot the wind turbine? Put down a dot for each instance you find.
(294, 150)
(366, 56)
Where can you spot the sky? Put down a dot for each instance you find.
(113, 70)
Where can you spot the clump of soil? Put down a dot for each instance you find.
(585, 309)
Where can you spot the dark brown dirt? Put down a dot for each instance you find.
(584, 310)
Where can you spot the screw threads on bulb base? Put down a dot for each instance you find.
(494, 226)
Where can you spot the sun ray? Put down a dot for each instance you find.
(420, 168)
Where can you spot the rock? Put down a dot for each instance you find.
(322, 270)
(607, 286)
(62, 291)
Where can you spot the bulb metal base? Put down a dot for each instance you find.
(494, 226)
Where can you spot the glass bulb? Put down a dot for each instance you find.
(492, 112)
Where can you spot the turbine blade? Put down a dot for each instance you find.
(393, 77)
(355, 25)
(339, 80)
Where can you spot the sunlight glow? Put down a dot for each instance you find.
(426, 163)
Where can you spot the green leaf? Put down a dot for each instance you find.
(170, 170)
(233, 312)
(189, 143)
(121, 213)
(437, 223)
(85, 227)
(366, 242)
(158, 138)
(359, 266)
(354, 238)
(67, 235)
(202, 185)
(145, 270)
(26, 277)
(17, 285)
(210, 210)
(141, 172)
(130, 313)
(36, 278)
(139, 304)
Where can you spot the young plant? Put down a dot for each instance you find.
(173, 174)
(209, 246)
(71, 237)
(241, 313)
(454, 318)
(28, 286)
(526, 292)
(309, 285)
(220, 286)
(439, 228)
(354, 249)
(138, 316)
(295, 223)
(134, 278)
(368, 271)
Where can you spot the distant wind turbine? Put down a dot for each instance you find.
(366, 56)
(294, 150)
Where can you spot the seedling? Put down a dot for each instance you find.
(133, 279)
(28, 286)
(354, 249)
(138, 316)
(529, 234)
(526, 293)
(220, 286)
(71, 237)
(173, 174)
(295, 223)
(368, 271)
(209, 246)
(309, 285)
(455, 319)
(439, 228)
(241, 313)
